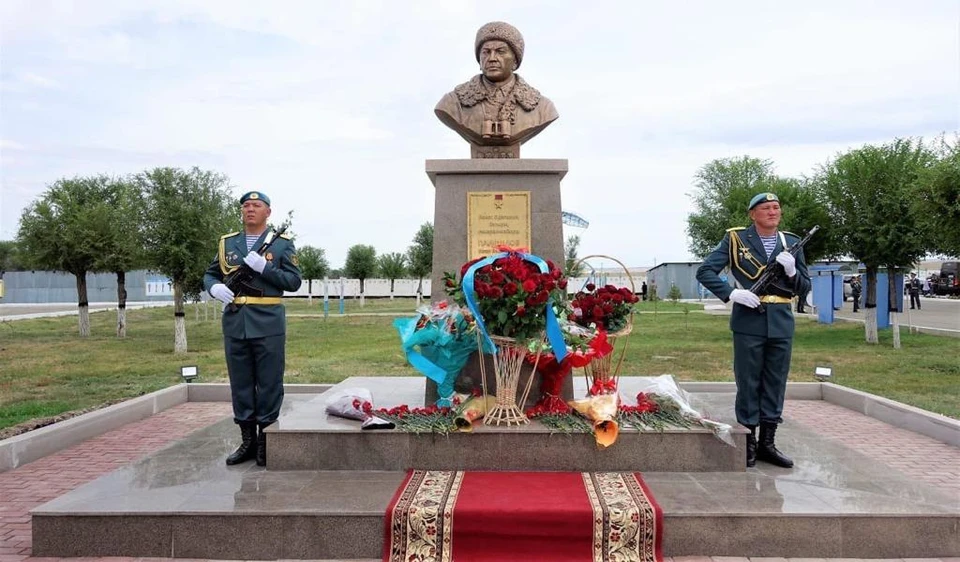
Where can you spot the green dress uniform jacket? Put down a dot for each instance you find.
(762, 342)
(254, 332)
(742, 251)
(280, 274)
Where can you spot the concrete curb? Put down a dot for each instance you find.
(28, 447)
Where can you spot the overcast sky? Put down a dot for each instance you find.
(328, 106)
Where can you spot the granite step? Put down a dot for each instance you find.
(184, 502)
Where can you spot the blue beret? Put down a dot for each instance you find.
(256, 196)
(762, 198)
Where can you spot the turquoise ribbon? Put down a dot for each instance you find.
(406, 327)
(554, 336)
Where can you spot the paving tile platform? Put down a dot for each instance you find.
(306, 438)
(845, 498)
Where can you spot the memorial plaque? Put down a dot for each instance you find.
(495, 219)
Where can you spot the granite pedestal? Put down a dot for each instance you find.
(306, 438)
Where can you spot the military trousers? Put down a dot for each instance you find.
(760, 366)
(256, 368)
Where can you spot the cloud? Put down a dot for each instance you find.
(328, 106)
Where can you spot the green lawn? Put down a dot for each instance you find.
(47, 369)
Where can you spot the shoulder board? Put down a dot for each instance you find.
(791, 234)
(286, 236)
(736, 228)
(230, 235)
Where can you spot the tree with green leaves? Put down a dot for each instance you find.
(936, 201)
(420, 255)
(186, 213)
(66, 229)
(571, 267)
(123, 246)
(724, 188)
(313, 265)
(10, 259)
(869, 194)
(361, 264)
(392, 266)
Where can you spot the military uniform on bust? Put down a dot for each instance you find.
(254, 322)
(763, 341)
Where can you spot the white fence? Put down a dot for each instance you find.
(333, 288)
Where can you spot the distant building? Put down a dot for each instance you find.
(683, 275)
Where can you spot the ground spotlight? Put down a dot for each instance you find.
(189, 372)
(823, 374)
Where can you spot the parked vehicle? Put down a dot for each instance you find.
(948, 282)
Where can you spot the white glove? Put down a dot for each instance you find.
(222, 293)
(255, 261)
(746, 298)
(788, 262)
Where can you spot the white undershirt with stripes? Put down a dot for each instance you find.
(769, 243)
(252, 239)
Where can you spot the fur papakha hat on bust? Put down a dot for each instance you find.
(500, 31)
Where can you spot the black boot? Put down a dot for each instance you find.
(767, 451)
(262, 446)
(248, 446)
(751, 446)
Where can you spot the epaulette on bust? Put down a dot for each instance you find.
(231, 234)
(788, 233)
(736, 228)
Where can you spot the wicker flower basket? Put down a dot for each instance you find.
(603, 374)
(508, 361)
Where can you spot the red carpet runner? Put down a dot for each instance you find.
(445, 516)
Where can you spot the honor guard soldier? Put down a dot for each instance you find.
(254, 320)
(762, 325)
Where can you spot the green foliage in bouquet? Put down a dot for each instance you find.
(511, 295)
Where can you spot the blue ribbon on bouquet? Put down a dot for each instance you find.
(554, 336)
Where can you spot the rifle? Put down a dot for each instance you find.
(773, 274)
(239, 280)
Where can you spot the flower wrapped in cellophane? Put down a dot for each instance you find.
(472, 410)
(602, 412)
(663, 396)
(438, 343)
(356, 404)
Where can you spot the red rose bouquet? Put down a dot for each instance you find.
(608, 307)
(514, 297)
(511, 294)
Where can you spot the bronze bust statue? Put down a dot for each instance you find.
(497, 110)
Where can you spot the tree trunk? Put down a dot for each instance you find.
(361, 293)
(309, 292)
(419, 291)
(83, 307)
(179, 326)
(391, 289)
(121, 304)
(870, 306)
(892, 299)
